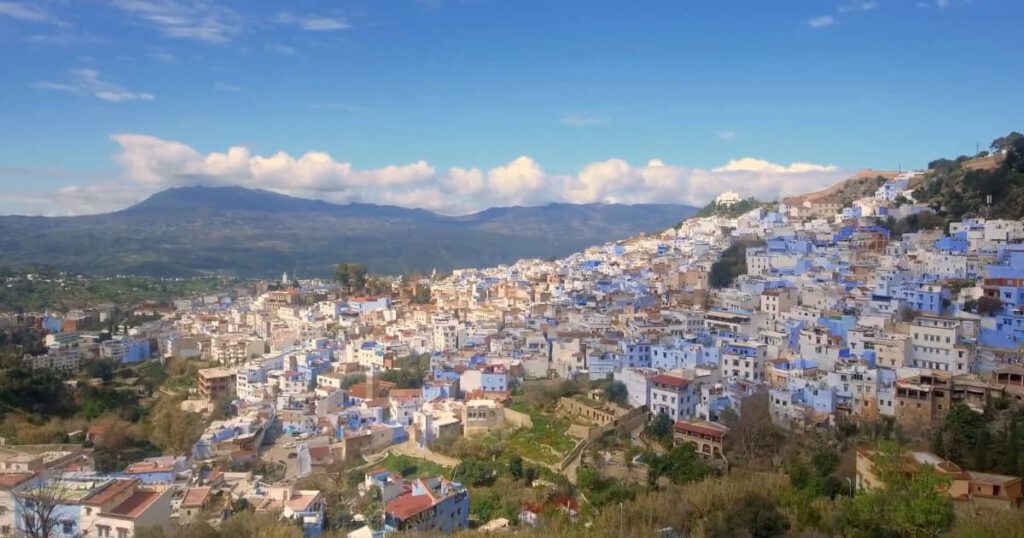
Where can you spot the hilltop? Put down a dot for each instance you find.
(989, 185)
(250, 232)
(864, 183)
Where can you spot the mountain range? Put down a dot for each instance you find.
(249, 232)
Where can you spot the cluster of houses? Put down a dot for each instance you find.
(56, 491)
(835, 317)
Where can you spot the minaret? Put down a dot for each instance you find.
(284, 277)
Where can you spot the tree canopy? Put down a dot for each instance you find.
(351, 276)
(617, 392)
(732, 263)
(909, 504)
(957, 188)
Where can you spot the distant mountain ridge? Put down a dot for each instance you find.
(245, 199)
(195, 230)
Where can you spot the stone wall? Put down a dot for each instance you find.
(517, 419)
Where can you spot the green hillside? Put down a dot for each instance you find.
(990, 185)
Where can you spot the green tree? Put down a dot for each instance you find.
(96, 401)
(681, 465)
(912, 504)
(515, 467)
(962, 436)
(1005, 143)
(476, 472)
(732, 263)
(351, 276)
(34, 391)
(617, 392)
(403, 379)
(660, 428)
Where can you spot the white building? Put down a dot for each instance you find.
(935, 345)
(235, 348)
(673, 395)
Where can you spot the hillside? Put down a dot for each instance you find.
(713, 209)
(248, 232)
(845, 192)
(990, 185)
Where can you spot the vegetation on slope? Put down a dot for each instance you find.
(732, 263)
(197, 231)
(959, 189)
(865, 183)
(61, 291)
(731, 211)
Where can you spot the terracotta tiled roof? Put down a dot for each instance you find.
(405, 393)
(196, 496)
(110, 491)
(135, 505)
(407, 506)
(10, 480)
(671, 380)
(704, 428)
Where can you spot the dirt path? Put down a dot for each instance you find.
(411, 448)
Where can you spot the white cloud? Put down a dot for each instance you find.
(226, 87)
(821, 22)
(29, 12)
(278, 48)
(749, 164)
(166, 163)
(150, 164)
(96, 198)
(464, 181)
(164, 57)
(64, 36)
(313, 23)
(858, 6)
(87, 82)
(725, 135)
(581, 120)
(186, 19)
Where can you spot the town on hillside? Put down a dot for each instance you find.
(808, 367)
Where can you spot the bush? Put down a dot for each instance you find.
(756, 515)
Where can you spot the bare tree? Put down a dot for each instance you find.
(755, 438)
(36, 504)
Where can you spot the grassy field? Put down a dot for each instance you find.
(547, 441)
(409, 466)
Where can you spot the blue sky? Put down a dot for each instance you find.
(456, 105)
